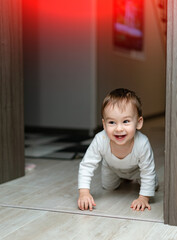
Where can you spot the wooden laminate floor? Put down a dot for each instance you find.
(43, 204)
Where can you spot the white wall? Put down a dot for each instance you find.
(145, 75)
(65, 83)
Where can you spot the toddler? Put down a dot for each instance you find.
(124, 151)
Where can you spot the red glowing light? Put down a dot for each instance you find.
(124, 7)
(58, 9)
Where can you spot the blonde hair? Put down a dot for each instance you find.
(120, 95)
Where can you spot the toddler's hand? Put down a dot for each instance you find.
(141, 203)
(85, 200)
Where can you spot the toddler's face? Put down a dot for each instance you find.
(121, 122)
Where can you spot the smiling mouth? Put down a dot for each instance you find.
(120, 136)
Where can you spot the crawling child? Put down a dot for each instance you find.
(124, 151)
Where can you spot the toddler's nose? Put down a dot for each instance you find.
(119, 127)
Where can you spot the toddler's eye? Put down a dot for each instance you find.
(111, 122)
(126, 121)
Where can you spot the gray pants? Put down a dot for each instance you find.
(112, 178)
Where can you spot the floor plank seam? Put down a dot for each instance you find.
(81, 213)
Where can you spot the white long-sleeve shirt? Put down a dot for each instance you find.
(141, 157)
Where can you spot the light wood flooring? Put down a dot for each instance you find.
(43, 204)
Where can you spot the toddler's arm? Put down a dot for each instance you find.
(85, 200)
(141, 203)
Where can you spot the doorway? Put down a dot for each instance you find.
(170, 196)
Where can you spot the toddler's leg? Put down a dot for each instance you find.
(156, 183)
(110, 180)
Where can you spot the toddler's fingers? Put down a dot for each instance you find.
(93, 202)
(79, 204)
(90, 206)
(86, 205)
(82, 205)
(143, 207)
(138, 207)
(133, 204)
(148, 207)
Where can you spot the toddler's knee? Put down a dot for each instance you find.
(110, 187)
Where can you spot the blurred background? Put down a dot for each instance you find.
(76, 51)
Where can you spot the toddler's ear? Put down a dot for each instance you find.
(103, 123)
(140, 123)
